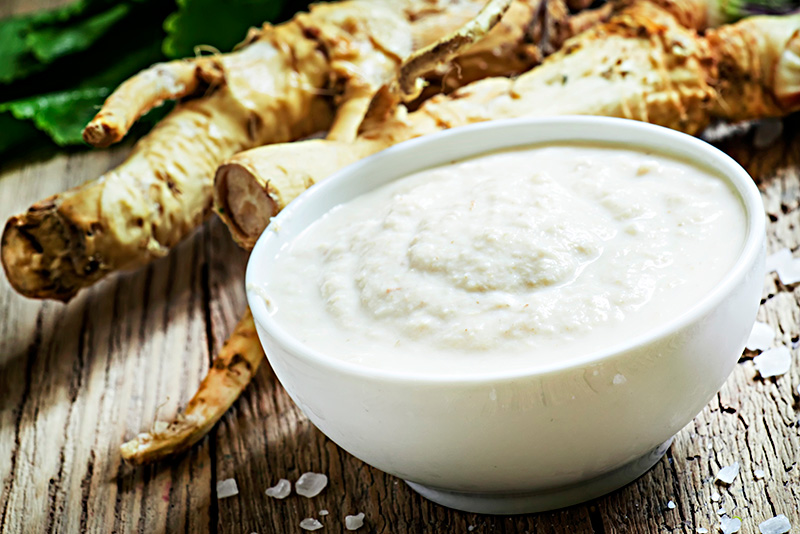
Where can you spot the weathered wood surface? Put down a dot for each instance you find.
(77, 380)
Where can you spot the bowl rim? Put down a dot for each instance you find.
(675, 142)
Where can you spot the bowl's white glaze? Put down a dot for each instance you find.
(520, 441)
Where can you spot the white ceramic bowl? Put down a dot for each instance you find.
(512, 441)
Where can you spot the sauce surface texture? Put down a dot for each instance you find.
(509, 260)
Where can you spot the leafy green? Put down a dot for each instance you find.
(63, 114)
(16, 57)
(53, 42)
(16, 60)
(29, 43)
(60, 115)
(15, 133)
(733, 10)
(211, 22)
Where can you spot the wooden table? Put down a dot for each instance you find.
(77, 380)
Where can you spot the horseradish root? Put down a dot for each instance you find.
(642, 64)
(230, 372)
(315, 72)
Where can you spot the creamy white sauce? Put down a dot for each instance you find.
(509, 260)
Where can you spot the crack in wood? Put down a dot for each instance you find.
(33, 352)
(86, 487)
(596, 520)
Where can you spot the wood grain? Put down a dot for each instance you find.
(77, 380)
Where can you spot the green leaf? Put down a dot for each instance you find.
(16, 60)
(15, 133)
(60, 115)
(29, 42)
(53, 42)
(16, 57)
(733, 10)
(214, 23)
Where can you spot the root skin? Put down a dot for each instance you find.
(138, 95)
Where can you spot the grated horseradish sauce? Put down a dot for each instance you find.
(509, 260)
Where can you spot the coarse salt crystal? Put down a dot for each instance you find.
(354, 522)
(776, 525)
(471, 528)
(729, 525)
(759, 474)
(309, 523)
(777, 259)
(671, 505)
(787, 267)
(619, 379)
(773, 362)
(761, 337)
(715, 497)
(722, 511)
(702, 530)
(789, 273)
(227, 488)
(160, 427)
(728, 473)
(281, 490)
(310, 484)
(323, 512)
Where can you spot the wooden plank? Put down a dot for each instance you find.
(83, 377)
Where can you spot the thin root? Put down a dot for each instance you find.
(230, 372)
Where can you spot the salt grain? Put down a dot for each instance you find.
(761, 337)
(310, 484)
(671, 505)
(715, 497)
(729, 525)
(759, 474)
(354, 522)
(777, 259)
(773, 362)
(323, 512)
(227, 488)
(702, 530)
(619, 379)
(721, 511)
(777, 525)
(309, 523)
(160, 427)
(281, 490)
(787, 267)
(728, 473)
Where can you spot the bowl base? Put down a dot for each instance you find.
(540, 501)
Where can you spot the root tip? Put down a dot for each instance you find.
(101, 134)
